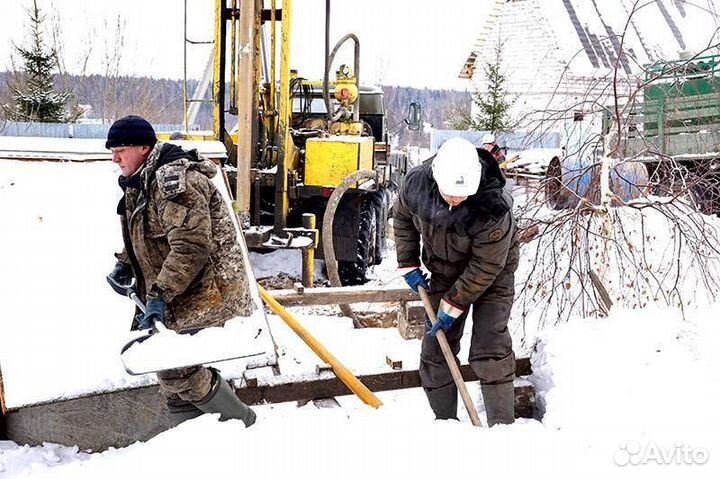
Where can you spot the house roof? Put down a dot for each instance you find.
(586, 36)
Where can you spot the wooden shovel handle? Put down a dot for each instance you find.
(343, 373)
(450, 359)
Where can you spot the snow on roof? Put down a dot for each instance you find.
(585, 35)
(84, 149)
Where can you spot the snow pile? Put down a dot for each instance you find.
(363, 351)
(638, 379)
(660, 254)
(287, 262)
(182, 452)
(640, 370)
(21, 461)
(533, 160)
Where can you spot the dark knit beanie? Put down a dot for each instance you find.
(131, 131)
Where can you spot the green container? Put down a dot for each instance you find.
(684, 79)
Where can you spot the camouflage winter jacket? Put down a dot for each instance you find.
(466, 247)
(180, 239)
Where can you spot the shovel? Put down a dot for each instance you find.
(189, 347)
(450, 359)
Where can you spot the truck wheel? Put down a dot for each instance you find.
(382, 208)
(355, 272)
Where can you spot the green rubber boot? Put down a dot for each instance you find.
(222, 399)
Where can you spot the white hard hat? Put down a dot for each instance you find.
(488, 138)
(456, 168)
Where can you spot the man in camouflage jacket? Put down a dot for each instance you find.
(469, 246)
(181, 247)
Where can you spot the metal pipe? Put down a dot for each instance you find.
(233, 55)
(263, 56)
(273, 74)
(286, 148)
(257, 198)
(219, 72)
(326, 75)
(185, 97)
(356, 72)
(308, 254)
(198, 96)
(246, 87)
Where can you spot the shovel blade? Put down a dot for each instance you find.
(160, 351)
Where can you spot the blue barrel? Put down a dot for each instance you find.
(570, 179)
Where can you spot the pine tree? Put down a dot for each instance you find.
(34, 92)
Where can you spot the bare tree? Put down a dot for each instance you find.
(632, 227)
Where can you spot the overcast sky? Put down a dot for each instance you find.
(421, 43)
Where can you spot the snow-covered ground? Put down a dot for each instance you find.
(630, 395)
(62, 326)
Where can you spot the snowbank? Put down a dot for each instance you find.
(660, 254)
(627, 396)
(642, 370)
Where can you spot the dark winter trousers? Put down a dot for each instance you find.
(491, 355)
(188, 384)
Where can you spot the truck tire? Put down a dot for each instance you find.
(381, 201)
(354, 273)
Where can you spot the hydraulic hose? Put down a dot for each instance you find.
(356, 72)
(327, 229)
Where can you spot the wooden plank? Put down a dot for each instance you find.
(342, 295)
(691, 144)
(691, 101)
(308, 387)
(679, 102)
(675, 115)
(671, 131)
(650, 109)
(695, 144)
(637, 145)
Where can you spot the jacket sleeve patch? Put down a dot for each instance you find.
(496, 235)
(171, 179)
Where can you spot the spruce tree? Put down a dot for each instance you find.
(493, 105)
(33, 91)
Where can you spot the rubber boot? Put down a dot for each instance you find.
(443, 401)
(180, 411)
(222, 399)
(499, 402)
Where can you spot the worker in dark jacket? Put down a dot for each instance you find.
(455, 206)
(181, 248)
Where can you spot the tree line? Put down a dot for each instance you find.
(161, 101)
(39, 89)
